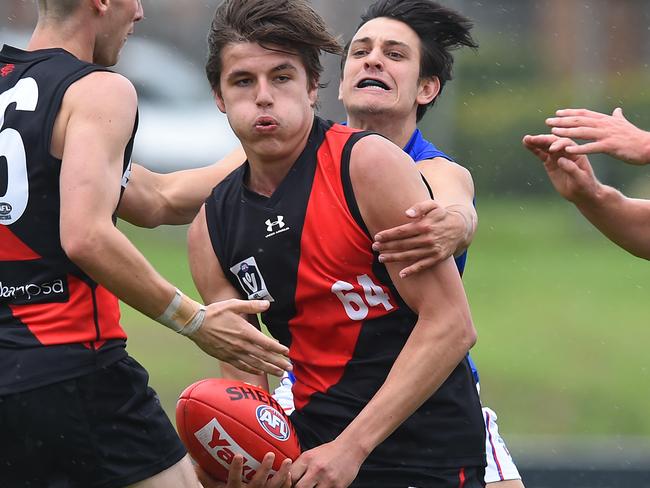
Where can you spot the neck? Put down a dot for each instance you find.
(70, 35)
(397, 131)
(269, 168)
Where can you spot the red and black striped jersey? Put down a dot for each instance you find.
(307, 249)
(55, 322)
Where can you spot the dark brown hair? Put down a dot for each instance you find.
(439, 28)
(290, 25)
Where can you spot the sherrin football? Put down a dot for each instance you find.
(218, 418)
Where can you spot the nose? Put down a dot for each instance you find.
(263, 97)
(139, 13)
(374, 60)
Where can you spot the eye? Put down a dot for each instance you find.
(395, 55)
(282, 78)
(243, 82)
(359, 52)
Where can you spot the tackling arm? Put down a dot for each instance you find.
(440, 227)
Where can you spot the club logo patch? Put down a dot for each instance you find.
(250, 279)
(273, 422)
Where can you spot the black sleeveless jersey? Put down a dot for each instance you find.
(307, 249)
(55, 322)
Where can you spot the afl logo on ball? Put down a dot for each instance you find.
(273, 422)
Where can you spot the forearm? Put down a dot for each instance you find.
(431, 353)
(625, 221)
(110, 259)
(153, 199)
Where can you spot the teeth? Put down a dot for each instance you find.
(372, 83)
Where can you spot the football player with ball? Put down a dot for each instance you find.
(384, 393)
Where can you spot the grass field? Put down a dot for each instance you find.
(563, 319)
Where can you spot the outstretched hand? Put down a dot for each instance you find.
(571, 175)
(609, 134)
(227, 336)
(432, 236)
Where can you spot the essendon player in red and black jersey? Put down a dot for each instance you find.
(75, 409)
(294, 226)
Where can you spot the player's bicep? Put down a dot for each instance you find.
(386, 183)
(102, 110)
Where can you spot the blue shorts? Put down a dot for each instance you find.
(105, 429)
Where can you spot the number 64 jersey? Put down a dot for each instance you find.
(307, 249)
(56, 323)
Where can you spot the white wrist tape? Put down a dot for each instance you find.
(183, 315)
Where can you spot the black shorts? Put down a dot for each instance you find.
(401, 477)
(102, 430)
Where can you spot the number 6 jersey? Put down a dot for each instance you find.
(55, 322)
(306, 248)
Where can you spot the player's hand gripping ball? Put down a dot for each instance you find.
(218, 418)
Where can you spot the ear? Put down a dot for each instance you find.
(428, 89)
(312, 94)
(341, 89)
(219, 99)
(100, 6)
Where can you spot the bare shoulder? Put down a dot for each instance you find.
(373, 156)
(102, 92)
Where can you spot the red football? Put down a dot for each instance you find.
(218, 418)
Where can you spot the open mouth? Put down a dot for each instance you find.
(368, 82)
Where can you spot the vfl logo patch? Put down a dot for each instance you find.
(251, 280)
(214, 438)
(273, 422)
(277, 226)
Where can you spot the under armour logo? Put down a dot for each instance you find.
(278, 223)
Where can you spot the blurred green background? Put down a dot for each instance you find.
(563, 315)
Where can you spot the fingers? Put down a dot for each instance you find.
(418, 266)
(422, 208)
(246, 306)
(530, 144)
(579, 112)
(618, 113)
(282, 479)
(235, 472)
(396, 233)
(577, 132)
(561, 144)
(589, 148)
(409, 256)
(423, 238)
(572, 122)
